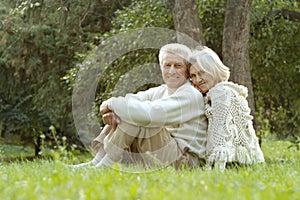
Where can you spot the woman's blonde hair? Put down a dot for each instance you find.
(209, 62)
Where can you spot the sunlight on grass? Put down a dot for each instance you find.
(47, 179)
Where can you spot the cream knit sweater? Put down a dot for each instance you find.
(180, 111)
(230, 135)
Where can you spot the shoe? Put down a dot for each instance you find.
(106, 162)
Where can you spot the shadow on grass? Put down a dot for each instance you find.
(24, 158)
(15, 153)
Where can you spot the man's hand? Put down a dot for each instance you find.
(104, 108)
(111, 119)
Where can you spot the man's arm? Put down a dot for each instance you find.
(177, 108)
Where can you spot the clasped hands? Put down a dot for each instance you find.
(108, 116)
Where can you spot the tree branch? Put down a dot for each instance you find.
(281, 14)
(286, 14)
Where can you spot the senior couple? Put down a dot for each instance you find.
(186, 122)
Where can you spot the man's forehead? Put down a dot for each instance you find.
(173, 56)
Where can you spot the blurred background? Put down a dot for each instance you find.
(43, 44)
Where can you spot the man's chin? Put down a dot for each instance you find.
(174, 85)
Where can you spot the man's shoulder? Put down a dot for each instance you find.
(188, 87)
(188, 91)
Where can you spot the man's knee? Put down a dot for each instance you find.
(128, 129)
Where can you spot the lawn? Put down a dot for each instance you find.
(278, 178)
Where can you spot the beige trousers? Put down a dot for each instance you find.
(151, 147)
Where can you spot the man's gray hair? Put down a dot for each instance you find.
(175, 48)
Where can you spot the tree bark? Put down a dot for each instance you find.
(235, 45)
(34, 11)
(186, 20)
(64, 11)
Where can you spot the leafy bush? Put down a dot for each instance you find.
(275, 68)
(39, 40)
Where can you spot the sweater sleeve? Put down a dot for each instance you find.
(217, 110)
(176, 108)
(145, 95)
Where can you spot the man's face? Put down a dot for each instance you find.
(174, 70)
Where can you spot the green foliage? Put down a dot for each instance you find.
(295, 144)
(212, 15)
(32, 58)
(39, 40)
(10, 152)
(145, 13)
(57, 148)
(124, 70)
(274, 62)
(12, 116)
(275, 68)
(137, 15)
(277, 179)
(272, 43)
(45, 42)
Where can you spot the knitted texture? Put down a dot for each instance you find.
(230, 135)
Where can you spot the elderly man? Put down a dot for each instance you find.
(159, 126)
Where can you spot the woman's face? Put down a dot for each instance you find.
(201, 80)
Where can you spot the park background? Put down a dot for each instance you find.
(44, 43)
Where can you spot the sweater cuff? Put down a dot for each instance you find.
(109, 104)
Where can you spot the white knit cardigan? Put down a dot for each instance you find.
(230, 136)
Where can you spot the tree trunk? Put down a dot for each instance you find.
(34, 11)
(37, 146)
(64, 11)
(186, 20)
(235, 45)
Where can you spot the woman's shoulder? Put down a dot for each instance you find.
(228, 88)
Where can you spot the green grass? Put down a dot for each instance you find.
(278, 178)
(10, 152)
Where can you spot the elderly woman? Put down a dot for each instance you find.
(230, 135)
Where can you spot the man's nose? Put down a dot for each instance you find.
(172, 69)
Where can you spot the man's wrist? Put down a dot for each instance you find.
(108, 104)
(104, 108)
